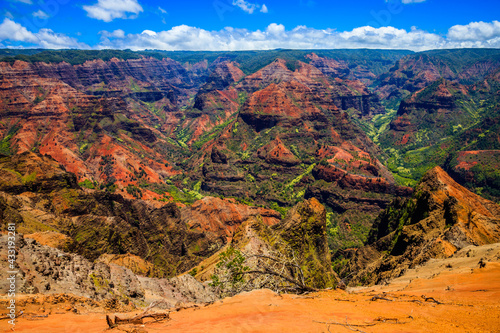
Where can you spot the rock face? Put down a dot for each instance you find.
(219, 218)
(51, 111)
(445, 116)
(37, 195)
(438, 110)
(46, 270)
(417, 71)
(300, 235)
(291, 120)
(304, 229)
(441, 218)
(156, 129)
(271, 132)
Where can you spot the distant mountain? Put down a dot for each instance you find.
(270, 128)
(446, 102)
(416, 71)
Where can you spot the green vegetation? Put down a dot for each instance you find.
(74, 57)
(229, 273)
(87, 184)
(214, 132)
(29, 178)
(251, 61)
(5, 145)
(135, 191)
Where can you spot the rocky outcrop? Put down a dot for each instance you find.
(221, 217)
(46, 270)
(282, 103)
(442, 108)
(304, 229)
(345, 180)
(441, 218)
(45, 114)
(299, 239)
(417, 71)
(276, 153)
(38, 195)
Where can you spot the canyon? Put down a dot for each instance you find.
(188, 180)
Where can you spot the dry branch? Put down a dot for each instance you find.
(266, 271)
(376, 321)
(376, 297)
(431, 299)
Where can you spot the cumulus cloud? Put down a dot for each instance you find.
(276, 36)
(108, 10)
(45, 38)
(475, 31)
(49, 39)
(10, 30)
(40, 14)
(275, 29)
(184, 37)
(149, 33)
(264, 9)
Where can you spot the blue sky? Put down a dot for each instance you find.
(249, 24)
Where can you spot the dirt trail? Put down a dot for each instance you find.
(452, 295)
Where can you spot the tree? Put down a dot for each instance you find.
(237, 271)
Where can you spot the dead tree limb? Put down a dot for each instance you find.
(376, 297)
(300, 286)
(139, 320)
(431, 299)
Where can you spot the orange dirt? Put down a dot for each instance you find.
(470, 304)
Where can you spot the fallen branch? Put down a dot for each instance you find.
(394, 320)
(352, 327)
(39, 316)
(376, 297)
(300, 286)
(137, 320)
(376, 321)
(431, 299)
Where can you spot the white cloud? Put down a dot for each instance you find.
(45, 38)
(475, 31)
(108, 10)
(149, 33)
(28, 2)
(275, 29)
(249, 7)
(245, 6)
(276, 36)
(118, 33)
(41, 14)
(390, 37)
(49, 39)
(163, 11)
(184, 37)
(10, 30)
